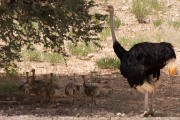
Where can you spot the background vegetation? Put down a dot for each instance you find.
(50, 23)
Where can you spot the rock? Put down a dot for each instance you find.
(77, 115)
(118, 114)
(122, 115)
(90, 55)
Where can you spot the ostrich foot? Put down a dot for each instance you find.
(148, 113)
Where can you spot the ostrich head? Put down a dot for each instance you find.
(33, 76)
(27, 73)
(51, 75)
(83, 76)
(109, 8)
(33, 70)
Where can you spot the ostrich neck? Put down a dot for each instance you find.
(118, 49)
(84, 82)
(112, 26)
(33, 77)
(27, 78)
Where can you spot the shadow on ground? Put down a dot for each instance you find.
(116, 97)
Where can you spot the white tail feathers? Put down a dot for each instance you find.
(145, 87)
(171, 67)
(150, 87)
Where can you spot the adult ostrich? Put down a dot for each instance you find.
(142, 63)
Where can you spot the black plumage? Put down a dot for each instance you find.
(141, 65)
(144, 59)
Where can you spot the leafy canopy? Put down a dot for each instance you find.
(47, 22)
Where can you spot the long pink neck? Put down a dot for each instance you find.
(112, 26)
(118, 49)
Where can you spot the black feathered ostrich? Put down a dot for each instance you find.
(142, 63)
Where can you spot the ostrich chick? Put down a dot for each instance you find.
(71, 90)
(51, 88)
(90, 90)
(25, 87)
(38, 87)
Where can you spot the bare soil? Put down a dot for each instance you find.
(116, 98)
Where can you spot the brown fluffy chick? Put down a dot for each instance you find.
(38, 87)
(25, 87)
(90, 90)
(71, 90)
(51, 88)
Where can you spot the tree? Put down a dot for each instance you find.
(47, 22)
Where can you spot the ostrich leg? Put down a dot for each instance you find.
(149, 109)
(146, 105)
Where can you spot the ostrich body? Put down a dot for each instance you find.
(142, 63)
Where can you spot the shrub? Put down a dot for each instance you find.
(82, 49)
(140, 9)
(108, 63)
(32, 55)
(117, 22)
(105, 33)
(7, 85)
(158, 22)
(175, 24)
(53, 57)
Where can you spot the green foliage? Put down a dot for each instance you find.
(11, 70)
(117, 22)
(158, 22)
(8, 86)
(53, 57)
(105, 33)
(32, 55)
(125, 41)
(82, 49)
(106, 1)
(156, 5)
(139, 40)
(108, 63)
(25, 23)
(38, 56)
(175, 24)
(142, 8)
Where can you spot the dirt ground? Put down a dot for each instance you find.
(116, 100)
